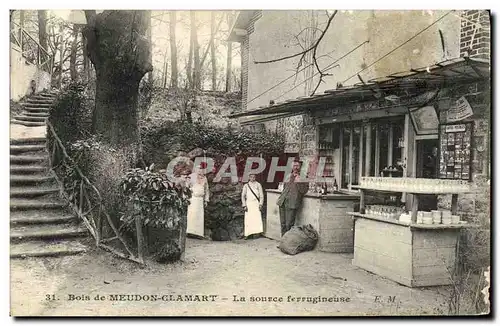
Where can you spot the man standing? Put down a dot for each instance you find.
(290, 199)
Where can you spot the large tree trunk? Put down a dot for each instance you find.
(196, 53)
(229, 61)
(72, 58)
(42, 37)
(212, 52)
(173, 51)
(120, 51)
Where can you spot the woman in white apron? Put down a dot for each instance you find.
(199, 199)
(252, 198)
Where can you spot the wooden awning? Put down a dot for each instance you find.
(446, 73)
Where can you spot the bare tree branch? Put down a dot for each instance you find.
(312, 48)
(210, 42)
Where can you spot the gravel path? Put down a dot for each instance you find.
(217, 272)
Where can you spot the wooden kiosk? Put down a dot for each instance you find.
(412, 254)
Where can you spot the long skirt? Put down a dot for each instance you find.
(253, 218)
(196, 217)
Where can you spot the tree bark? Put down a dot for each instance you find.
(72, 59)
(173, 51)
(229, 62)
(119, 49)
(196, 53)
(212, 52)
(42, 37)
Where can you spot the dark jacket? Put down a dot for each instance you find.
(292, 194)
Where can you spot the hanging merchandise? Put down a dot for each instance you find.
(455, 155)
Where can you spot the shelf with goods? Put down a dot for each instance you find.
(326, 150)
(416, 187)
(391, 243)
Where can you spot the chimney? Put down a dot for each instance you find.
(475, 29)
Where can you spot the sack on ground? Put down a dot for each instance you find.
(299, 239)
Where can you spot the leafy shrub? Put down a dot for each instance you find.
(162, 143)
(158, 201)
(71, 114)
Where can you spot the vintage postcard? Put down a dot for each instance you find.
(250, 162)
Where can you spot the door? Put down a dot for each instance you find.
(427, 167)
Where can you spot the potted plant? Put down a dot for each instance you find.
(161, 206)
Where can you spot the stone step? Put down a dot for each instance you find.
(36, 114)
(43, 97)
(26, 148)
(36, 216)
(35, 178)
(39, 110)
(32, 140)
(28, 118)
(28, 106)
(46, 249)
(25, 192)
(39, 100)
(28, 124)
(27, 169)
(26, 159)
(47, 94)
(19, 204)
(19, 233)
(31, 179)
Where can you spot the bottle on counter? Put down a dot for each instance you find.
(335, 186)
(324, 189)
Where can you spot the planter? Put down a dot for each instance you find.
(162, 244)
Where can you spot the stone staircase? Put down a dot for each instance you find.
(36, 110)
(41, 224)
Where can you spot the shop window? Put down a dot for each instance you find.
(363, 149)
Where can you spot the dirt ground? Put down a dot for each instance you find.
(219, 271)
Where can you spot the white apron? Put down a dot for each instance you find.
(195, 212)
(253, 216)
